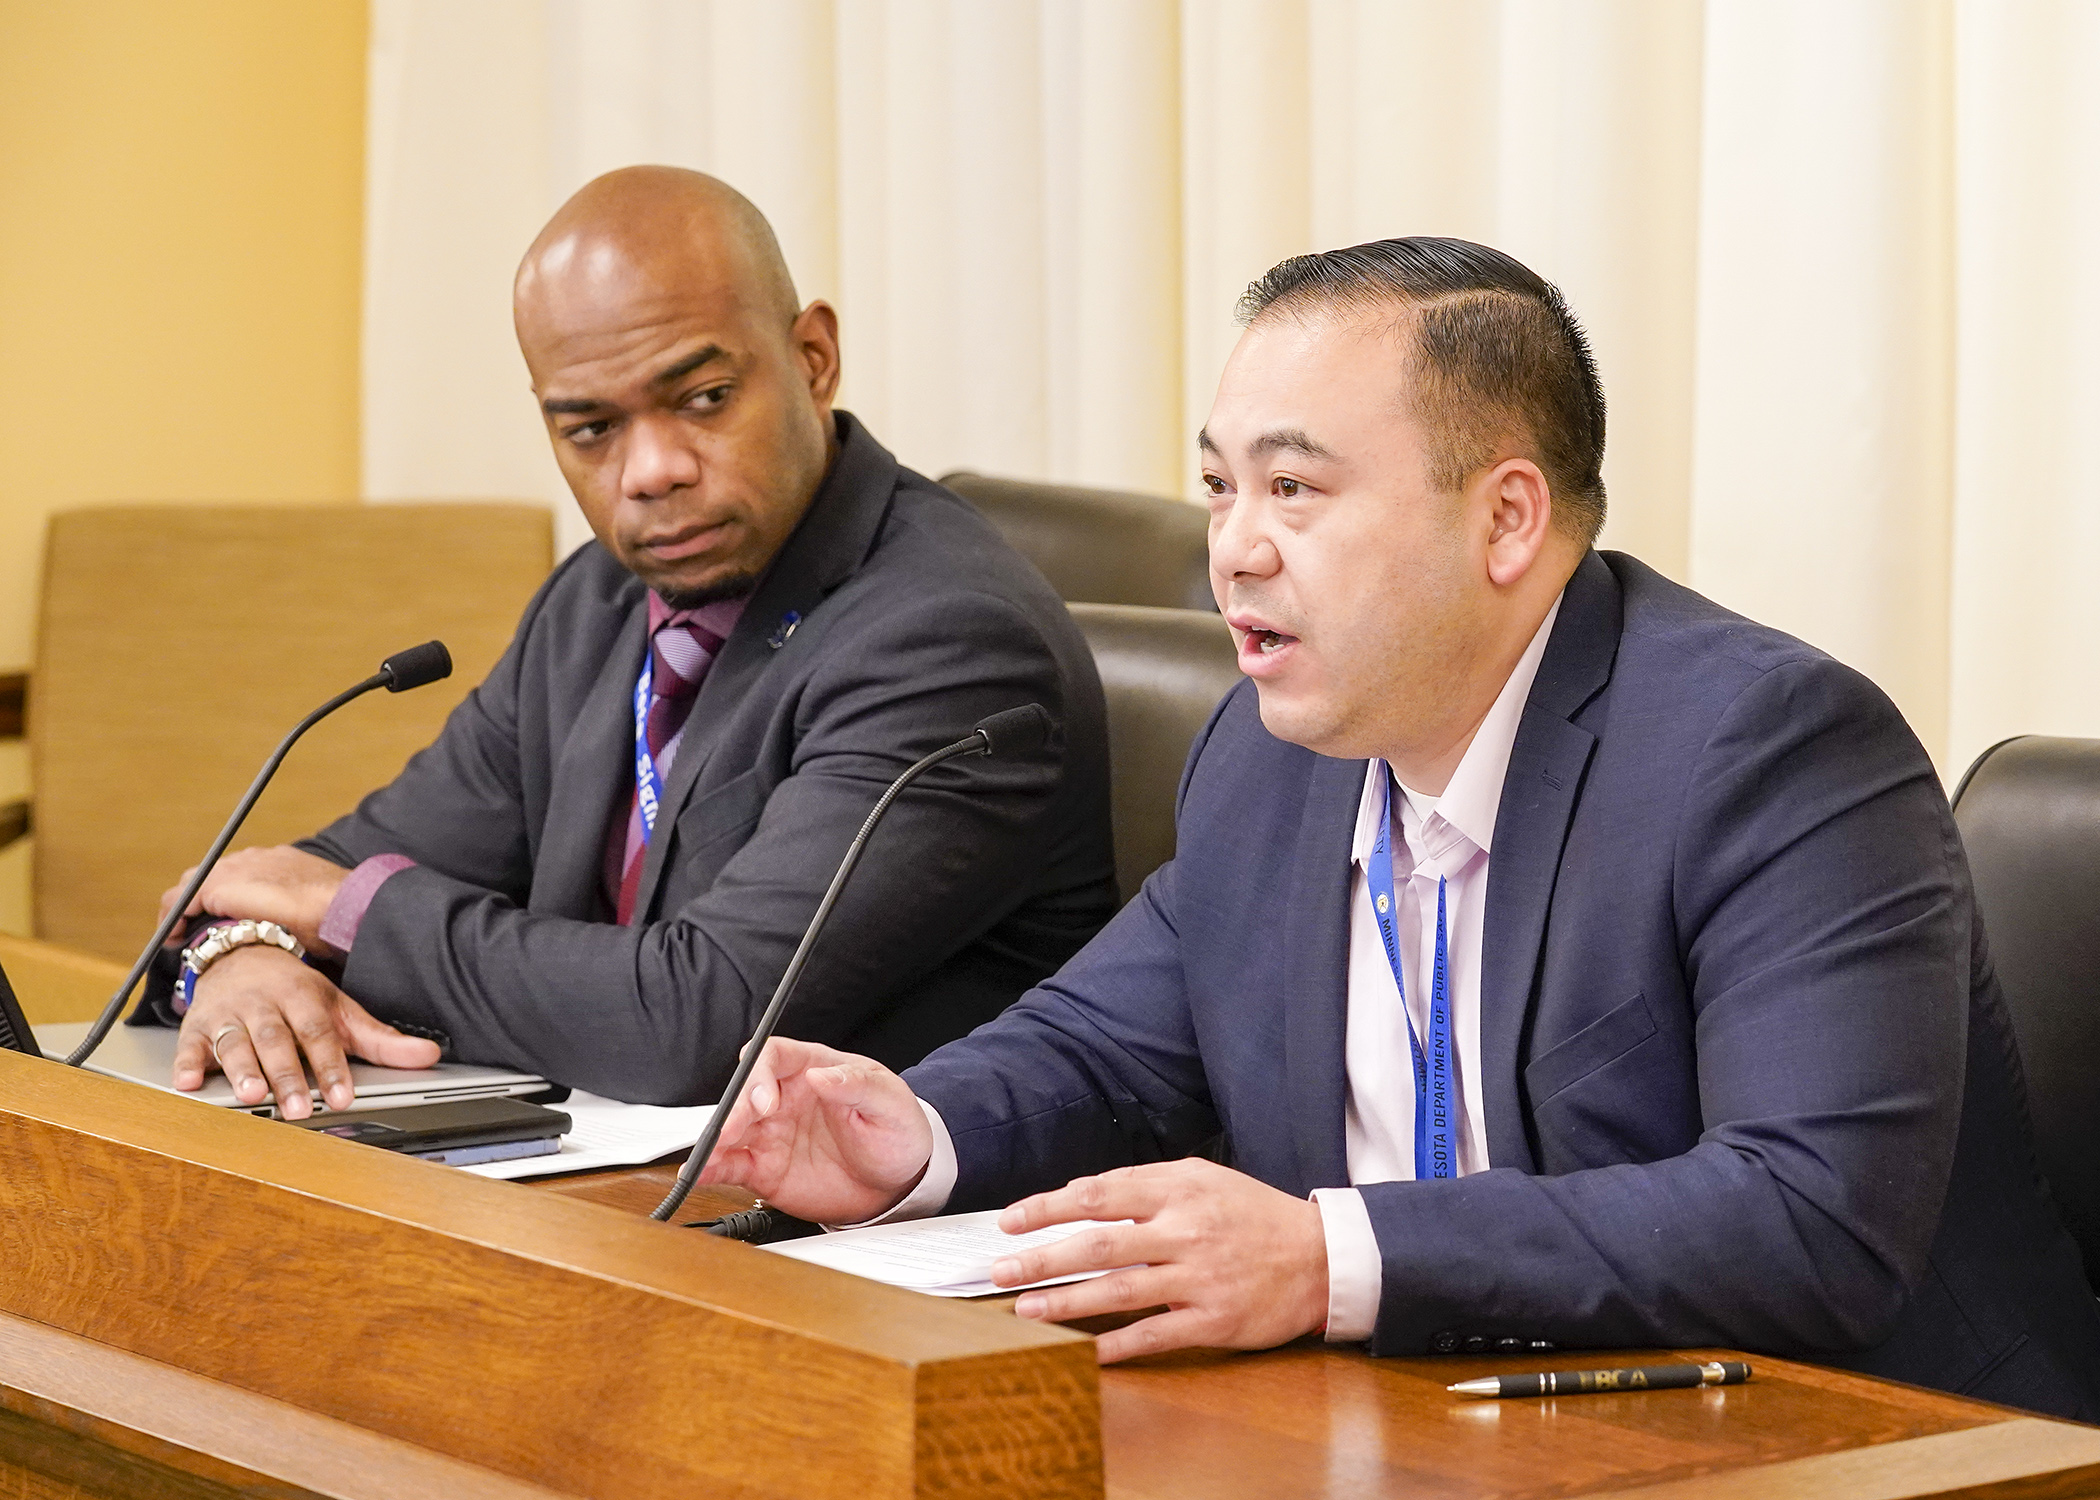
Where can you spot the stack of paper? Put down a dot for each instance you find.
(947, 1257)
(608, 1133)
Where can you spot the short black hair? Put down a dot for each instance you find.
(1497, 357)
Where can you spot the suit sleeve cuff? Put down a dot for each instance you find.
(934, 1189)
(353, 898)
(1355, 1271)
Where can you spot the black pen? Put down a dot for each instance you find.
(1583, 1382)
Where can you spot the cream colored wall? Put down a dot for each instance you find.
(181, 206)
(1831, 256)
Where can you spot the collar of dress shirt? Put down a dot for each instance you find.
(1474, 794)
(719, 617)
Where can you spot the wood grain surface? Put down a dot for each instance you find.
(80, 1418)
(1313, 1421)
(986, 1416)
(1317, 1421)
(637, 1190)
(540, 1336)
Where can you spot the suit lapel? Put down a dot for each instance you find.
(590, 778)
(1316, 973)
(1539, 794)
(832, 540)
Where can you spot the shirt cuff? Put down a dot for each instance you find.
(353, 898)
(1355, 1270)
(934, 1189)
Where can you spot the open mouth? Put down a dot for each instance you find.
(1263, 650)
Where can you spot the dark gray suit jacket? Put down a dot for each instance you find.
(1747, 1075)
(917, 620)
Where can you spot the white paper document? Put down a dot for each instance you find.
(947, 1257)
(608, 1134)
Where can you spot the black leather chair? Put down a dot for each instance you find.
(2029, 814)
(1100, 546)
(1163, 671)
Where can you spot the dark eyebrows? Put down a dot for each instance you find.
(1275, 440)
(690, 363)
(1291, 440)
(583, 406)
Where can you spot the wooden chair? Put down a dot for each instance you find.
(177, 643)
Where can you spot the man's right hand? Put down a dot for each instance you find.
(823, 1135)
(258, 1008)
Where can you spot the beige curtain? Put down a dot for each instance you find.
(1834, 255)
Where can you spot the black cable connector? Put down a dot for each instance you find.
(759, 1225)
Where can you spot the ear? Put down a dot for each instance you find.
(815, 336)
(1519, 506)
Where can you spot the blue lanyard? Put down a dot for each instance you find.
(648, 786)
(1436, 1117)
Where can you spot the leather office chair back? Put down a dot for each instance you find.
(1163, 671)
(2029, 814)
(178, 643)
(1100, 546)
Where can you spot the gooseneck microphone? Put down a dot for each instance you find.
(397, 674)
(1017, 731)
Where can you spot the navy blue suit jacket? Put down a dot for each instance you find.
(1748, 1077)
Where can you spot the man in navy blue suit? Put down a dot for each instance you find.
(1558, 958)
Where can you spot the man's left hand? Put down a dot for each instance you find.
(283, 885)
(1237, 1264)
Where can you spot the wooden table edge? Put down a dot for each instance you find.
(2027, 1457)
(2007, 1452)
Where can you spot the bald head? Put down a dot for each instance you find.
(648, 223)
(688, 398)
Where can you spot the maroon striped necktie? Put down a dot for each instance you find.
(681, 651)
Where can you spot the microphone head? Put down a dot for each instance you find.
(1017, 731)
(416, 666)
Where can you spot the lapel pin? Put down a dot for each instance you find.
(784, 629)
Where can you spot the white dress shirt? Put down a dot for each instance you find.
(1448, 837)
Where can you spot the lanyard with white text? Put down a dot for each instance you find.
(1436, 1118)
(648, 786)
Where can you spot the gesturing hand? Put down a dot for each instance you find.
(1237, 1264)
(823, 1135)
(258, 1008)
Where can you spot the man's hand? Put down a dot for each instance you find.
(1237, 1264)
(283, 885)
(823, 1135)
(258, 1008)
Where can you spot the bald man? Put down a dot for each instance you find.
(600, 869)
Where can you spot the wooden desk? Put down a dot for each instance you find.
(199, 1303)
(195, 1305)
(1312, 1421)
